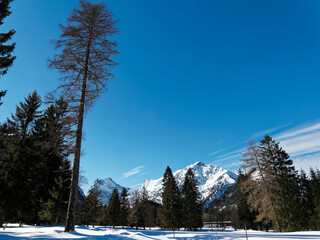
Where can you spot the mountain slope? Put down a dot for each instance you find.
(213, 182)
(106, 186)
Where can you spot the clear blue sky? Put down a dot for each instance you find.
(195, 80)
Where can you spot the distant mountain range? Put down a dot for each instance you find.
(213, 182)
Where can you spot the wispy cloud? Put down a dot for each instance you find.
(302, 142)
(270, 130)
(303, 145)
(144, 173)
(216, 152)
(238, 151)
(133, 171)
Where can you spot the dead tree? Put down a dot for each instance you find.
(84, 61)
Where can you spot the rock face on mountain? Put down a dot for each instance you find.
(213, 182)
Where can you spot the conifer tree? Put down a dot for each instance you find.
(145, 208)
(273, 188)
(20, 161)
(124, 208)
(113, 210)
(92, 206)
(170, 212)
(6, 59)
(283, 175)
(191, 207)
(315, 191)
(136, 217)
(85, 62)
(54, 210)
(305, 202)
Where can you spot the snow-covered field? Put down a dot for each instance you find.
(56, 232)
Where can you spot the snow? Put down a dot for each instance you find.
(106, 186)
(213, 182)
(97, 233)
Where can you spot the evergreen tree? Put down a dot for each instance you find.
(2, 94)
(54, 210)
(113, 210)
(136, 215)
(315, 191)
(273, 185)
(170, 212)
(305, 202)
(124, 208)
(145, 208)
(92, 206)
(284, 179)
(6, 59)
(50, 136)
(191, 207)
(19, 162)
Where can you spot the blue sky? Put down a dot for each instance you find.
(196, 80)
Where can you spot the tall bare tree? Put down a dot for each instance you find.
(84, 61)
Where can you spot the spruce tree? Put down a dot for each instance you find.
(170, 212)
(191, 206)
(54, 210)
(124, 208)
(315, 191)
(50, 136)
(113, 210)
(6, 59)
(305, 202)
(272, 186)
(21, 161)
(281, 172)
(136, 216)
(92, 206)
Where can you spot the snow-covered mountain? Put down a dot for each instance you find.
(213, 182)
(106, 186)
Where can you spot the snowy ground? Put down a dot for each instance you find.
(99, 233)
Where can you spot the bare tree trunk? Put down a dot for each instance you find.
(71, 212)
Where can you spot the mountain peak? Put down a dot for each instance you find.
(200, 164)
(212, 182)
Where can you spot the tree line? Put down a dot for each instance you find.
(34, 166)
(179, 209)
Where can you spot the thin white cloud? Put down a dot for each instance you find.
(239, 151)
(302, 143)
(298, 131)
(216, 152)
(133, 171)
(233, 156)
(269, 131)
(144, 173)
